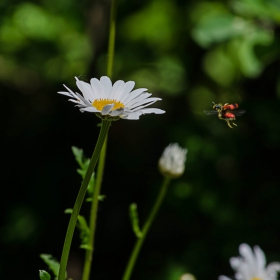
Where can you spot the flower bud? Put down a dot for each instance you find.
(187, 276)
(172, 161)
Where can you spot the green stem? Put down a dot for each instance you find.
(112, 36)
(93, 212)
(147, 225)
(79, 200)
(101, 162)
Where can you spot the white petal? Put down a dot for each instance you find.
(222, 277)
(141, 107)
(152, 110)
(107, 84)
(117, 87)
(240, 276)
(272, 268)
(138, 99)
(77, 101)
(133, 95)
(106, 109)
(126, 90)
(260, 258)
(149, 101)
(65, 93)
(249, 266)
(97, 88)
(235, 263)
(90, 109)
(70, 91)
(131, 116)
(117, 112)
(246, 252)
(82, 99)
(86, 89)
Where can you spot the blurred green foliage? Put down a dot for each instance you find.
(189, 53)
(41, 45)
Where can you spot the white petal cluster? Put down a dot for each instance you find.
(187, 276)
(252, 265)
(117, 100)
(172, 161)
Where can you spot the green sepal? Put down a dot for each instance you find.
(44, 275)
(83, 228)
(134, 220)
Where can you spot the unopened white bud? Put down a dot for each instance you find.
(187, 276)
(172, 161)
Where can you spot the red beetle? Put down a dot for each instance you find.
(224, 112)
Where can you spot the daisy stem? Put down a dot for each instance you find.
(112, 36)
(146, 227)
(93, 212)
(79, 200)
(101, 162)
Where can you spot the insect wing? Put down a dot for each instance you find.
(238, 112)
(212, 112)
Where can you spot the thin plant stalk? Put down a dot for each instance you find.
(79, 200)
(146, 227)
(93, 213)
(101, 162)
(112, 36)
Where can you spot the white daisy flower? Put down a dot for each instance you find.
(172, 161)
(187, 276)
(112, 101)
(252, 265)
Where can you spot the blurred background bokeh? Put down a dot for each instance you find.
(189, 53)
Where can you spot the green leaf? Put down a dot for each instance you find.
(214, 23)
(83, 163)
(134, 220)
(83, 228)
(44, 275)
(100, 198)
(250, 64)
(264, 10)
(86, 247)
(79, 154)
(52, 263)
(217, 29)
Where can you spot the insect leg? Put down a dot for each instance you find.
(220, 115)
(228, 123)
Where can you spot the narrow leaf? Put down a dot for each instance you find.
(83, 228)
(79, 154)
(100, 198)
(134, 220)
(83, 163)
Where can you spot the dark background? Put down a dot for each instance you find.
(189, 53)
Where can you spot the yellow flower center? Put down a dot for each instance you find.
(100, 103)
(256, 278)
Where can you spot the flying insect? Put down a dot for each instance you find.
(225, 113)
